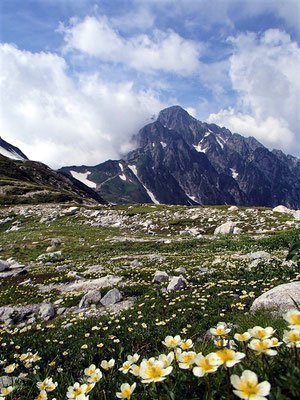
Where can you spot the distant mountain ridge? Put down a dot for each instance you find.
(180, 160)
(29, 182)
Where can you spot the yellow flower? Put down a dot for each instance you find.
(126, 391)
(247, 386)
(262, 346)
(292, 338)
(261, 333)
(206, 364)
(229, 357)
(186, 359)
(153, 371)
(242, 337)
(220, 330)
(293, 318)
(172, 342)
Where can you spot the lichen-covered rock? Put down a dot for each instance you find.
(279, 298)
(112, 297)
(258, 254)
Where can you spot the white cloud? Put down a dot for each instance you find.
(264, 72)
(162, 51)
(56, 121)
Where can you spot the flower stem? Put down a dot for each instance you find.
(228, 384)
(208, 386)
(157, 391)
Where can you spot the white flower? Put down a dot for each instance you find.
(247, 386)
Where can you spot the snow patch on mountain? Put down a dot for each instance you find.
(150, 194)
(10, 154)
(199, 148)
(163, 144)
(234, 174)
(82, 177)
(123, 177)
(121, 166)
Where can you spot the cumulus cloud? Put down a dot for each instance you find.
(162, 51)
(60, 122)
(264, 73)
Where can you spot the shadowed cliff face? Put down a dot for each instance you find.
(180, 160)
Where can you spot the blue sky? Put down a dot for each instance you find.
(78, 78)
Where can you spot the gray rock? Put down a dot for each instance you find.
(282, 209)
(225, 229)
(181, 270)
(55, 242)
(177, 283)
(92, 297)
(160, 276)
(4, 265)
(6, 381)
(60, 310)
(112, 297)
(279, 298)
(233, 208)
(258, 254)
(60, 268)
(46, 311)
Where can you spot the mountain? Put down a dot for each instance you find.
(180, 160)
(10, 151)
(28, 182)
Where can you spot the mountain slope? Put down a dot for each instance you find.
(180, 160)
(30, 182)
(10, 151)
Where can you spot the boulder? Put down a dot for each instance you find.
(46, 311)
(233, 208)
(258, 254)
(226, 228)
(112, 297)
(176, 283)
(160, 276)
(281, 209)
(4, 265)
(279, 298)
(92, 297)
(55, 242)
(181, 270)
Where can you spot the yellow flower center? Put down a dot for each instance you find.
(261, 333)
(187, 358)
(126, 392)
(262, 345)
(219, 330)
(226, 355)
(154, 371)
(294, 336)
(248, 388)
(205, 365)
(185, 345)
(295, 319)
(78, 391)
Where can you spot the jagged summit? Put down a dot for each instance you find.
(180, 160)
